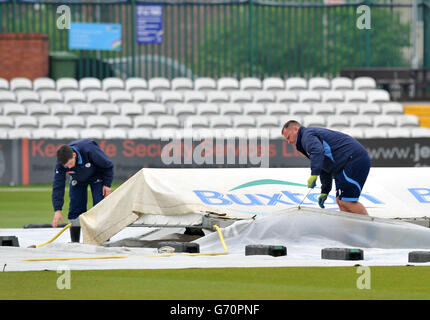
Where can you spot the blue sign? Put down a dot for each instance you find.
(149, 24)
(95, 36)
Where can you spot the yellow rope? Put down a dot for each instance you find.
(56, 236)
(198, 254)
(73, 258)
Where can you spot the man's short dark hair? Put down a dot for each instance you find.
(64, 154)
(290, 123)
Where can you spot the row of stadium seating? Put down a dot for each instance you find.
(214, 122)
(203, 109)
(198, 134)
(181, 84)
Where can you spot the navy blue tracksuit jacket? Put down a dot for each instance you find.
(92, 166)
(329, 151)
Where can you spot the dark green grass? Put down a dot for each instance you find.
(221, 284)
(30, 204)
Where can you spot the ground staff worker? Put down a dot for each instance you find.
(87, 165)
(333, 155)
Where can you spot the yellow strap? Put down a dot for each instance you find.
(198, 254)
(73, 258)
(56, 236)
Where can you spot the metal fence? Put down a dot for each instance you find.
(238, 38)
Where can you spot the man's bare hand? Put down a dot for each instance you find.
(106, 191)
(57, 217)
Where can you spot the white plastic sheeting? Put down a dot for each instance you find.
(304, 232)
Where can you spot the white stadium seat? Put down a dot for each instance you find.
(38, 109)
(4, 84)
(43, 134)
(250, 84)
(85, 109)
(392, 108)
(385, 121)
(120, 96)
(364, 83)
(300, 109)
(14, 109)
(171, 97)
(43, 84)
(369, 108)
(91, 134)
(230, 109)
(244, 121)
(347, 109)
(267, 122)
(228, 84)
(378, 96)
(372, 133)
(332, 96)
(314, 121)
(74, 96)
(89, 83)
(318, 83)
(143, 97)
(27, 96)
(205, 84)
(325, 109)
(97, 122)
(67, 134)
(407, 121)
(109, 84)
(276, 109)
(116, 133)
(131, 109)
(182, 84)
(296, 84)
(362, 121)
(66, 84)
(221, 122)
(73, 122)
(108, 109)
(20, 83)
(158, 84)
(6, 122)
(139, 134)
(182, 110)
(287, 97)
(398, 133)
(194, 97)
(145, 122)
(27, 122)
(21, 133)
(264, 97)
(7, 97)
(354, 132)
(240, 97)
(154, 109)
(123, 122)
(273, 84)
(421, 132)
(355, 96)
(254, 109)
(61, 109)
(309, 96)
(136, 84)
(338, 121)
(50, 122)
(207, 109)
(217, 97)
(168, 121)
(196, 122)
(342, 84)
(51, 96)
(98, 96)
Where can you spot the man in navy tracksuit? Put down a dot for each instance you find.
(333, 155)
(87, 165)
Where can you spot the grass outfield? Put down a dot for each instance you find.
(32, 204)
(221, 284)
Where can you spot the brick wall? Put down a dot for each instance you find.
(24, 55)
